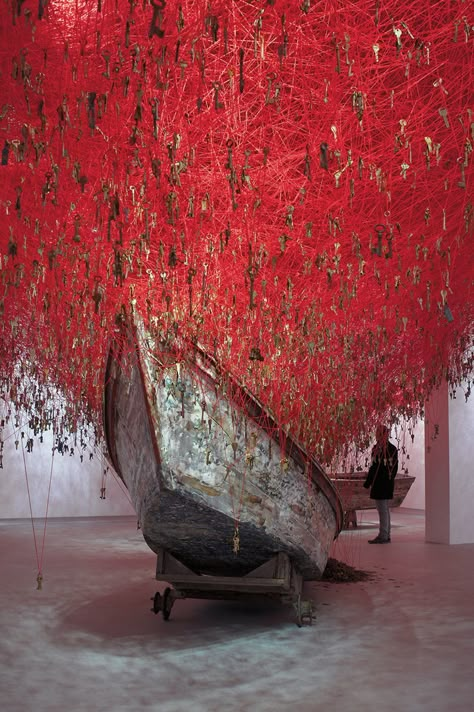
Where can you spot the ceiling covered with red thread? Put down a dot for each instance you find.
(290, 183)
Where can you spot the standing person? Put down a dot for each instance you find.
(381, 480)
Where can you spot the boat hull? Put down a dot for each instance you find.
(206, 474)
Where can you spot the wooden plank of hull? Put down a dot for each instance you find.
(207, 481)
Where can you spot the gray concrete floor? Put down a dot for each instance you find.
(403, 640)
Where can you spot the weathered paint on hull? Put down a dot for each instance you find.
(209, 483)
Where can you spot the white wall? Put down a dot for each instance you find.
(461, 465)
(25, 479)
(413, 460)
(437, 466)
(449, 467)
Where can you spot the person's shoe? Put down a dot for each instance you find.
(379, 540)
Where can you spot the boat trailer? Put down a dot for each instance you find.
(277, 579)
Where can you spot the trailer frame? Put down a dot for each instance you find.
(277, 579)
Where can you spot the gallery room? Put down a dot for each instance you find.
(236, 355)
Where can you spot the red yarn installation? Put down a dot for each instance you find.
(290, 183)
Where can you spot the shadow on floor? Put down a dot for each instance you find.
(127, 614)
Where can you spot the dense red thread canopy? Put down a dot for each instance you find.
(288, 182)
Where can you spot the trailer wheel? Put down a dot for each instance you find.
(168, 601)
(157, 603)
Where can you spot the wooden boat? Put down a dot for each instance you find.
(354, 496)
(204, 468)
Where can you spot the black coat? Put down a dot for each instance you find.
(382, 472)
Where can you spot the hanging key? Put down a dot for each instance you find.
(157, 18)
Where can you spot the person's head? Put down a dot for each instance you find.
(382, 433)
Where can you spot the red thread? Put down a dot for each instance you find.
(181, 172)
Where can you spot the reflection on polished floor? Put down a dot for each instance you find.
(403, 640)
